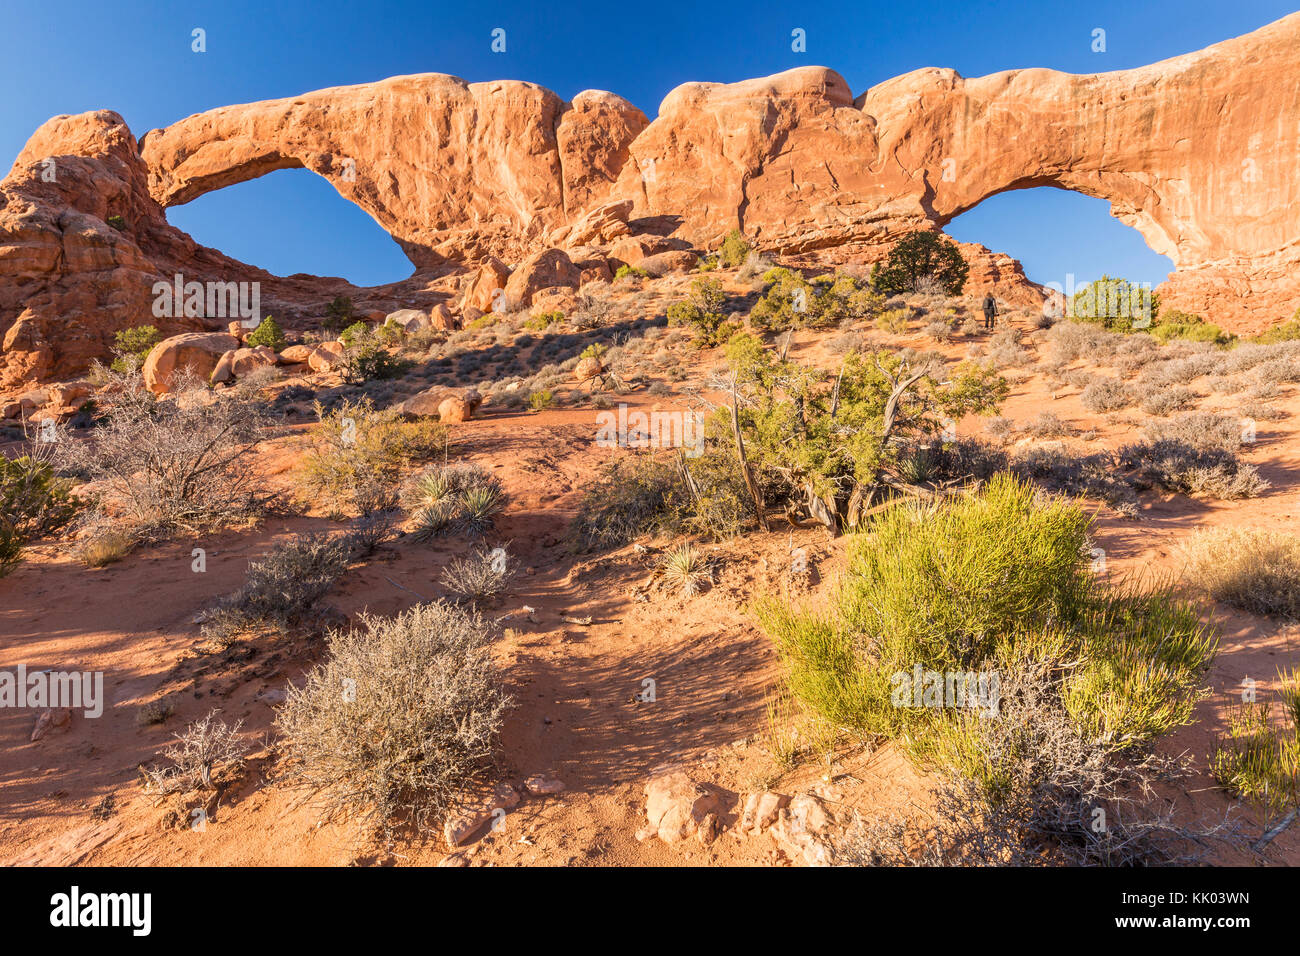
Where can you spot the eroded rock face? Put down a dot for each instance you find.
(1196, 152)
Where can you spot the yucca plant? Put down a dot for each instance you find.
(686, 570)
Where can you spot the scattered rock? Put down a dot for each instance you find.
(677, 806)
(543, 783)
(199, 351)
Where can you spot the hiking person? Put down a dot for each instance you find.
(990, 311)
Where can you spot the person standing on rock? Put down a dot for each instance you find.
(990, 311)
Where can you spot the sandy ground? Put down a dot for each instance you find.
(74, 796)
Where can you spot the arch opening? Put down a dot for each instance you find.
(1060, 236)
(293, 221)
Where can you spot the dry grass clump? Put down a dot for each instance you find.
(359, 448)
(1074, 340)
(1254, 569)
(1005, 351)
(480, 576)
(1186, 469)
(1086, 476)
(401, 719)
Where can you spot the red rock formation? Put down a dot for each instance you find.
(1196, 152)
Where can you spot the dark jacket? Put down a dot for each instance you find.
(990, 305)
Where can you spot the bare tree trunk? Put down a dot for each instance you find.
(759, 508)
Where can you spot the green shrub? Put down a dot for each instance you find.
(988, 584)
(355, 333)
(359, 448)
(792, 302)
(544, 320)
(269, 334)
(919, 260)
(701, 312)
(11, 547)
(33, 500)
(1192, 328)
(135, 344)
(734, 250)
(1288, 331)
(626, 271)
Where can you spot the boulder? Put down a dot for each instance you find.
(296, 354)
(663, 263)
(440, 318)
(199, 351)
(543, 270)
(677, 806)
(558, 299)
(481, 293)
(246, 360)
(588, 369)
(409, 320)
(448, 404)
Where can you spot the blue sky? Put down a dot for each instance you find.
(135, 58)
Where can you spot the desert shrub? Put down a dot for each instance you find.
(1046, 425)
(338, 314)
(1278, 371)
(167, 464)
(1049, 777)
(269, 334)
(1262, 412)
(988, 584)
(920, 256)
(1191, 470)
(1161, 400)
(831, 438)
(357, 448)
(105, 544)
(792, 302)
(667, 495)
(893, 321)
(700, 312)
(1201, 430)
(1193, 328)
(1105, 394)
(11, 547)
(755, 265)
(134, 345)
(735, 249)
(1074, 340)
(34, 501)
(626, 271)
(541, 399)
(284, 587)
(202, 755)
(454, 499)
(416, 727)
(1078, 476)
(1254, 569)
(1288, 331)
(480, 576)
(999, 428)
(1005, 350)
(543, 320)
(939, 331)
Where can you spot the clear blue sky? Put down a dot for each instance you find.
(135, 57)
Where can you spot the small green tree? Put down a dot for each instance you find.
(831, 438)
(133, 346)
(1116, 304)
(702, 312)
(918, 257)
(268, 333)
(338, 314)
(793, 302)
